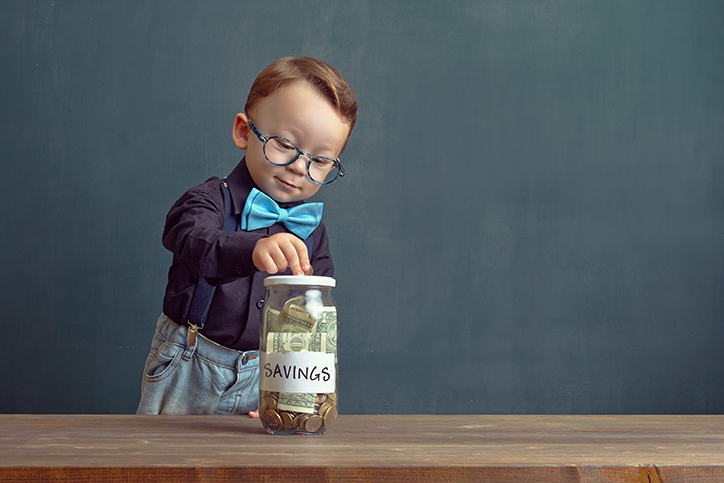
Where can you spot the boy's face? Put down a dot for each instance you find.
(299, 113)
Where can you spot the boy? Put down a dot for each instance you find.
(204, 355)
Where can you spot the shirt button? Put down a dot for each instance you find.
(239, 270)
(260, 304)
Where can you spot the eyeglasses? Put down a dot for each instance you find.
(280, 151)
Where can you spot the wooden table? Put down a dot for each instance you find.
(386, 448)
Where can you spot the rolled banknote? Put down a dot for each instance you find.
(294, 317)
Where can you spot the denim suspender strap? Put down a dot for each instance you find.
(204, 292)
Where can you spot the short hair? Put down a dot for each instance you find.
(325, 78)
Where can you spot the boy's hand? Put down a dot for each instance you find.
(281, 251)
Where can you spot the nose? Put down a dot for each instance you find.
(299, 166)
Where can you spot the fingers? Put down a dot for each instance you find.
(279, 252)
(254, 414)
(291, 258)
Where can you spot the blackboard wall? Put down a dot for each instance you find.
(532, 219)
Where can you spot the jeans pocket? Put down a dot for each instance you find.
(162, 360)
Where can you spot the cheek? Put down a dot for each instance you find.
(260, 171)
(310, 189)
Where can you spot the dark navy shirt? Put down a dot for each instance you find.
(194, 233)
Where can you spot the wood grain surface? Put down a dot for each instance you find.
(484, 448)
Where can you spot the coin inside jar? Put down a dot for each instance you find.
(271, 400)
(300, 422)
(329, 416)
(313, 424)
(324, 408)
(286, 418)
(272, 420)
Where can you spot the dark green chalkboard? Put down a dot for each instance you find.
(532, 219)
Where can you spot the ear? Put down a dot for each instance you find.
(241, 131)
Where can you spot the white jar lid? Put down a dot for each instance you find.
(299, 280)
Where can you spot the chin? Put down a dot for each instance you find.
(284, 197)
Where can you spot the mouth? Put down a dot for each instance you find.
(285, 184)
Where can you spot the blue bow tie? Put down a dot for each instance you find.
(261, 211)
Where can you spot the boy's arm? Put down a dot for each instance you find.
(194, 233)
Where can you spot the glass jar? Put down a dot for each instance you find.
(298, 351)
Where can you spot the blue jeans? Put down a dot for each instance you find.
(186, 373)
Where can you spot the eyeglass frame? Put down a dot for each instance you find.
(310, 157)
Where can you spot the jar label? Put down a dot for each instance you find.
(307, 372)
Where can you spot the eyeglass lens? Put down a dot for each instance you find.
(281, 151)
